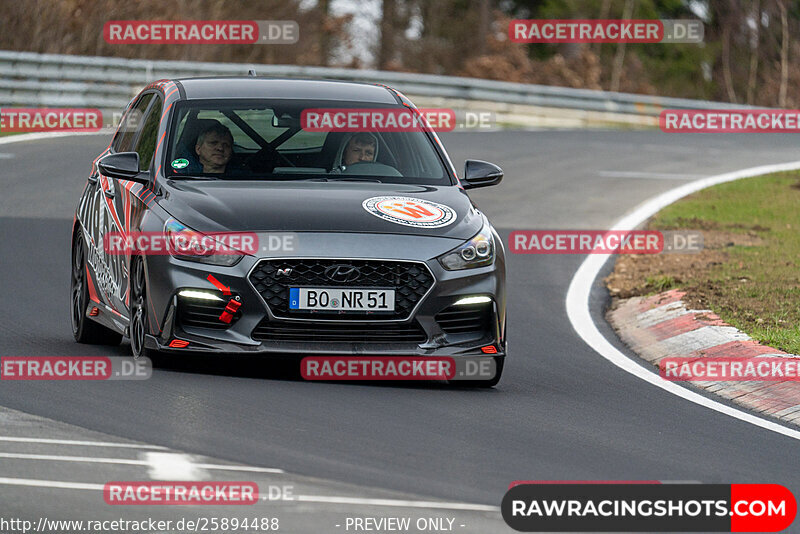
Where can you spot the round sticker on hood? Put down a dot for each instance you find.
(410, 211)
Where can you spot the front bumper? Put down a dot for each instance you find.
(435, 333)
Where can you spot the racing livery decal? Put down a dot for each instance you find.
(410, 211)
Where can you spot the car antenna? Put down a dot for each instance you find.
(252, 72)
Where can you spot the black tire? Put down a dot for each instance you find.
(85, 330)
(140, 324)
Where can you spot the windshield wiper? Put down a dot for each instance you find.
(350, 179)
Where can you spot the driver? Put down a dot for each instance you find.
(214, 148)
(361, 147)
(358, 148)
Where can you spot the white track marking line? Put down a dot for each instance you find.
(580, 287)
(399, 503)
(84, 459)
(126, 461)
(243, 468)
(37, 136)
(651, 175)
(57, 484)
(79, 442)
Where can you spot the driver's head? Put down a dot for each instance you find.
(361, 147)
(214, 148)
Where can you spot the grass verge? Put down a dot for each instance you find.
(749, 270)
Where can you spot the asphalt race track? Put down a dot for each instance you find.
(561, 411)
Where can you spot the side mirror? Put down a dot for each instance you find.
(123, 166)
(481, 174)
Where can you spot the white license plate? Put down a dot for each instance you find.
(344, 299)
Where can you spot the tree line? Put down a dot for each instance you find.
(749, 54)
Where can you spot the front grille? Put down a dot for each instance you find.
(410, 280)
(468, 319)
(328, 332)
(203, 314)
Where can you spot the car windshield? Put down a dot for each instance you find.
(301, 140)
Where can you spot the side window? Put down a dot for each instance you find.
(131, 123)
(146, 146)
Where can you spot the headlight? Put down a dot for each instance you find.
(477, 252)
(191, 245)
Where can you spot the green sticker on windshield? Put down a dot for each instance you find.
(180, 163)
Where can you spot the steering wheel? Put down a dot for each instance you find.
(341, 169)
(368, 168)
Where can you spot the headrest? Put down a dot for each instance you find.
(192, 130)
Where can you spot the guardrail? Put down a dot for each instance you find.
(49, 80)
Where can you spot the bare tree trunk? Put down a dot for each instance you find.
(605, 8)
(784, 54)
(483, 27)
(387, 45)
(754, 40)
(726, 61)
(324, 32)
(619, 56)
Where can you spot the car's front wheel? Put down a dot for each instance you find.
(139, 325)
(84, 330)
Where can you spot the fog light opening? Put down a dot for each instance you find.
(200, 295)
(473, 300)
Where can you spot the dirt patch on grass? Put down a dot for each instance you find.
(644, 274)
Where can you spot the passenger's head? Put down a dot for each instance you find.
(361, 147)
(214, 148)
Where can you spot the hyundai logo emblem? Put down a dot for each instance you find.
(342, 273)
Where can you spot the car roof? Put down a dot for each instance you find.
(254, 87)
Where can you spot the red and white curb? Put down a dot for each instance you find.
(661, 326)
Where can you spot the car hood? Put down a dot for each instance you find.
(217, 206)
